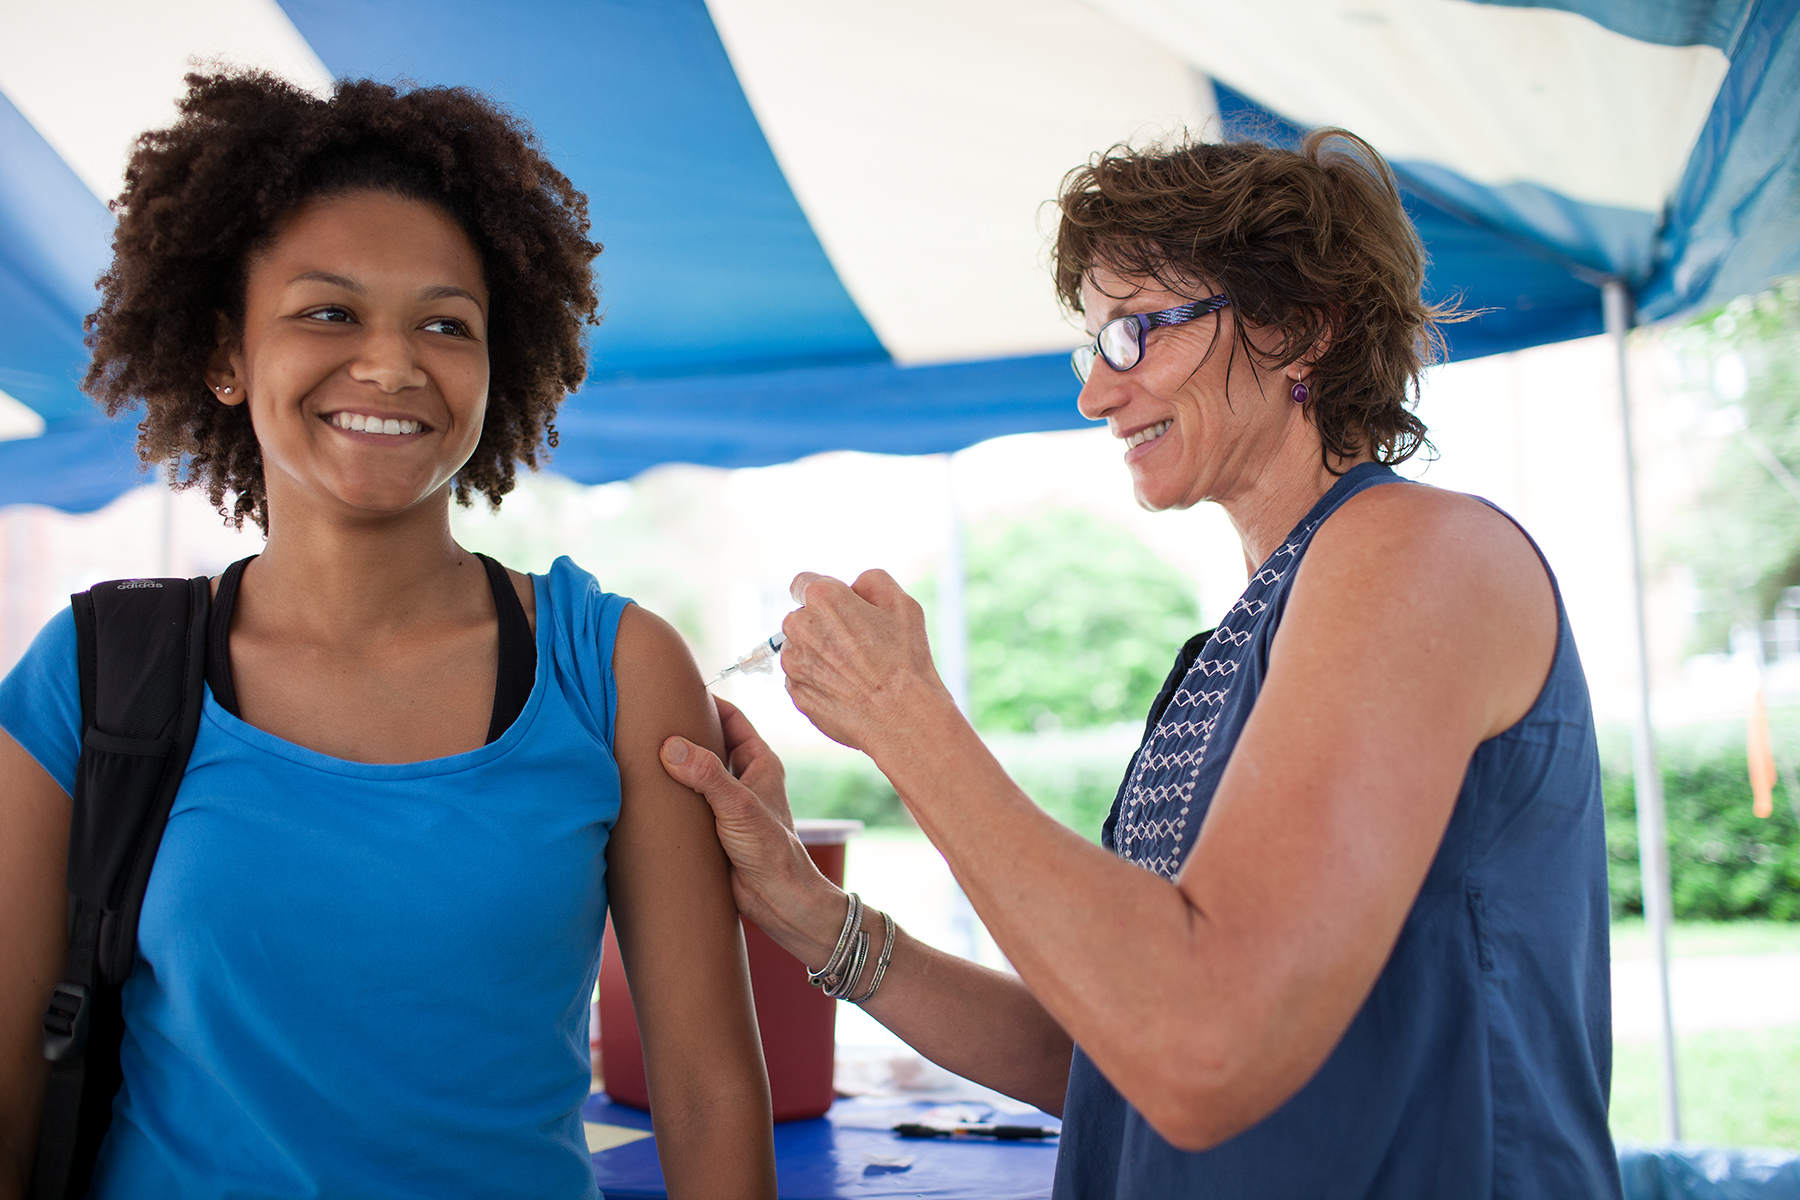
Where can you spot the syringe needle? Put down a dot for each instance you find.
(760, 659)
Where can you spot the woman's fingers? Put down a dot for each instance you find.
(774, 880)
(852, 651)
(734, 805)
(742, 743)
(803, 580)
(756, 766)
(874, 587)
(878, 588)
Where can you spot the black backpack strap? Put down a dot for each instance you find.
(141, 652)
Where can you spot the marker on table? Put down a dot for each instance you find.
(1002, 1133)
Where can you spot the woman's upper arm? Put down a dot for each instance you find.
(668, 879)
(34, 847)
(1421, 623)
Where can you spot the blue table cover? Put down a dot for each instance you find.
(1709, 1173)
(852, 1152)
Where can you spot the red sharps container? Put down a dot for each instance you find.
(797, 1020)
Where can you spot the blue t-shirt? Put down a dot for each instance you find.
(360, 979)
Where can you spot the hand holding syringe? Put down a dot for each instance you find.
(760, 660)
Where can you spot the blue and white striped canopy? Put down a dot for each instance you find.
(824, 219)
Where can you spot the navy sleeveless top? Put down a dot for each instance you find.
(1481, 1062)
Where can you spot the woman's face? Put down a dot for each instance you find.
(1205, 424)
(364, 355)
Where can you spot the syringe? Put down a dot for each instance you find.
(759, 660)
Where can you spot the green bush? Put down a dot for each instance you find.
(1073, 623)
(1724, 862)
(842, 785)
(1073, 775)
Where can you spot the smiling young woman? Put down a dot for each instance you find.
(421, 779)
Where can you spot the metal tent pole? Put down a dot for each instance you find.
(1653, 838)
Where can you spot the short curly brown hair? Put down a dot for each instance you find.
(204, 195)
(1312, 243)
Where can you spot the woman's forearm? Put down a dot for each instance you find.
(980, 1023)
(1105, 946)
(712, 1133)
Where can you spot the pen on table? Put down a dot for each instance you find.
(1002, 1133)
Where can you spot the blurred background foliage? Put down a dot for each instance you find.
(1742, 539)
(1073, 622)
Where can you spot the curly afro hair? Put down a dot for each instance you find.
(205, 195)
(1313, 244)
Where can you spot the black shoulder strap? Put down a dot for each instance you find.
(516, 673)
(141, 653)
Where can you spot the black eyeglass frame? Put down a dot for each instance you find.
(1082, 360)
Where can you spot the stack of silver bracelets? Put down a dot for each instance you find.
(839, 975)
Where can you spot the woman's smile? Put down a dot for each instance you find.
(1145, 436)
(381, 429)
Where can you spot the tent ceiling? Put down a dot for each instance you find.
(824, 221)
(1496, 118)
(924, 161)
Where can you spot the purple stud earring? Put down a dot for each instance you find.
(1300, 393)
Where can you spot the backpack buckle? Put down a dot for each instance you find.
(66, 1022)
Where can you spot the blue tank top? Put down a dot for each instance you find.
(361, 979)
(1480, 1063)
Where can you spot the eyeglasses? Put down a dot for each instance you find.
(1121, 342)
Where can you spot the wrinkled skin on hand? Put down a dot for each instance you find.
(856, 658)
(773, 879)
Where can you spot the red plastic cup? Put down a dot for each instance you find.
(797, 1020)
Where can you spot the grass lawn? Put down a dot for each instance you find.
(1691, 939)
(1738, 1088)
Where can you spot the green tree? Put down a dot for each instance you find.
(1072, 622)
(1742, 540)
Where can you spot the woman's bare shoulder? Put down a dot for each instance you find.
(1463, 582)
(660, 688)
(648, 647)
(1413, 532)
(1418, 509)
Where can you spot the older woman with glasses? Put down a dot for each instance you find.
(1346, 933)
